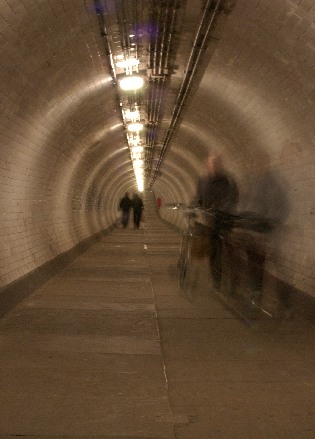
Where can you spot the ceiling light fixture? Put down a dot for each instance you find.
(131, 62)
(134, 140)
(137, 164)
(140, 185)
(132, 115)
(137, 149)
(131, 83)
(136, 156)
(135, 127)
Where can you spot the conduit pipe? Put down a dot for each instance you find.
(189, 76)
(104, 34)
(159, 67)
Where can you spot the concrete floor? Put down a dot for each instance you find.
(110, 348)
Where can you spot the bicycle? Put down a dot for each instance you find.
(185, 250)
(189, 248)
(214, 227)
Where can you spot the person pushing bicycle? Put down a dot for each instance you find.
(217, 193)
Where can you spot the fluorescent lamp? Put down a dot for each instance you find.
(140, 186)
(136, 156)
(131, 62)
(135, 127)
(137, 149)
(131, 83)
(137, 163)
(132, 115)
(134, 140)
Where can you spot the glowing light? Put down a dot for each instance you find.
(119, 57)
(131, 62)
(137, 149)
(131, 83)
(136, 155)
(140, 182)
(135, 127)
(132, 115)
(140, 185)
(137, 163)
(134, 140)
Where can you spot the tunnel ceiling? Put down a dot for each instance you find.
(211, 69)
(63, 73)
(163, 44)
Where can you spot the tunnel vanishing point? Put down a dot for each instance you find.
(233, 76)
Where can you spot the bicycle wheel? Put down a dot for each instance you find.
(185, 270)
(183, 259)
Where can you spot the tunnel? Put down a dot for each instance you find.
(104, 97)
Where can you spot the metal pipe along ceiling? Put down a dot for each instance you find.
(159, 69)
(207, 21)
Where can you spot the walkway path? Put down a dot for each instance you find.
(109, 349)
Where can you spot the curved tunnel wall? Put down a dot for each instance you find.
(59, 135)
(255, 106)
(64, 162)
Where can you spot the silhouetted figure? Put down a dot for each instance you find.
(216, 191)
(138, 206)
(125, 206)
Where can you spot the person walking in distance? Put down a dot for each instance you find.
(138, 206)
(125, 206)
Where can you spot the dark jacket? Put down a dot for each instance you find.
(217, 192)
(125, 204)
(137, 204)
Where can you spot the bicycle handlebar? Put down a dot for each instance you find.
(192, 210)
(245, 220)
(187, 208)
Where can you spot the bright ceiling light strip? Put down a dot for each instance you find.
(131, 83)
(132, 115)
(136, 127)
(137, 163)
(137, 149)
(129, 63)
(140, 186)
(134, 140)
(137, 155)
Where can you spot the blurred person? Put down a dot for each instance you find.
(137, 205)
(125, 206)
(216, 190)
(266, 210)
